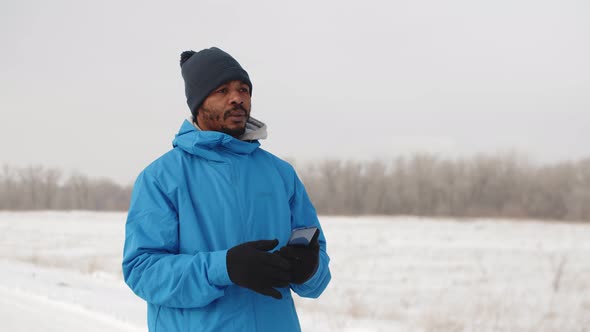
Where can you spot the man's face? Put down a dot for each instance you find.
(226, 109)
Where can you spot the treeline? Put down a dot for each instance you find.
(424, 185)
(40, 188)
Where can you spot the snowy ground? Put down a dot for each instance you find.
(61, 272)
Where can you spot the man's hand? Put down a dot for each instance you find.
(304, 260)
(250, 265)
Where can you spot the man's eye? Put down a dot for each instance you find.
(245, 90)
(224, 90)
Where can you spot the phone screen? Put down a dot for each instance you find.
(302, 236)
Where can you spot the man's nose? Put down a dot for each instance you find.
(235, 97)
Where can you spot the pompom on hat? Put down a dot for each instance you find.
(206, 70)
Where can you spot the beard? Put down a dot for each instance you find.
(219, 117)
(235, 132)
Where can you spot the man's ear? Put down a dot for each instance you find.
(194, 117)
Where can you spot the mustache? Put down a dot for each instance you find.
(236, 110)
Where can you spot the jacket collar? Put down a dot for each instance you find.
(255, 129)
(209, 144)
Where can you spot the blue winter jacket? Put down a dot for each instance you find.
(208, 194)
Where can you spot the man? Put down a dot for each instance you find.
(208, 224)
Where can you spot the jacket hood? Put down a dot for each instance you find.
(209, 144)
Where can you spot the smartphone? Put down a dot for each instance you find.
(303, 236)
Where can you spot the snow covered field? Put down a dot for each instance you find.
(60, 271)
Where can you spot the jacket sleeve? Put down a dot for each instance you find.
(303, 214)
(152, 266)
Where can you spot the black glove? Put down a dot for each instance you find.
(304, 259)
(250, 265)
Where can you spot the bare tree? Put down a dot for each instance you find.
(505, 185)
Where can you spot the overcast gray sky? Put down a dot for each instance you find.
(96, 86)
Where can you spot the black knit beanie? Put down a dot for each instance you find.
(206, 70)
